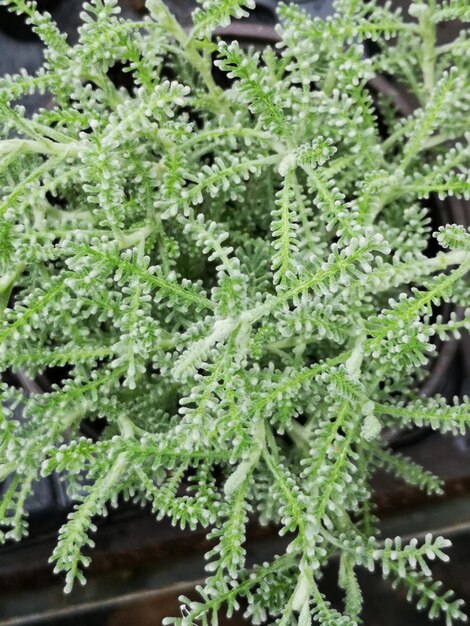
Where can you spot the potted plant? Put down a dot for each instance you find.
(236, 285)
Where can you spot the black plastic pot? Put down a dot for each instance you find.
(15, 25)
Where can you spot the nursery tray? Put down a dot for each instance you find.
(140, 566)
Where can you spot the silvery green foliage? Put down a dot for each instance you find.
(238, 281)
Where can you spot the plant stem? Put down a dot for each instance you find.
(428, 49)
(195, 59)
(40, 147)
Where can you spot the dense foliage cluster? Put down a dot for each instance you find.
(238, 281)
